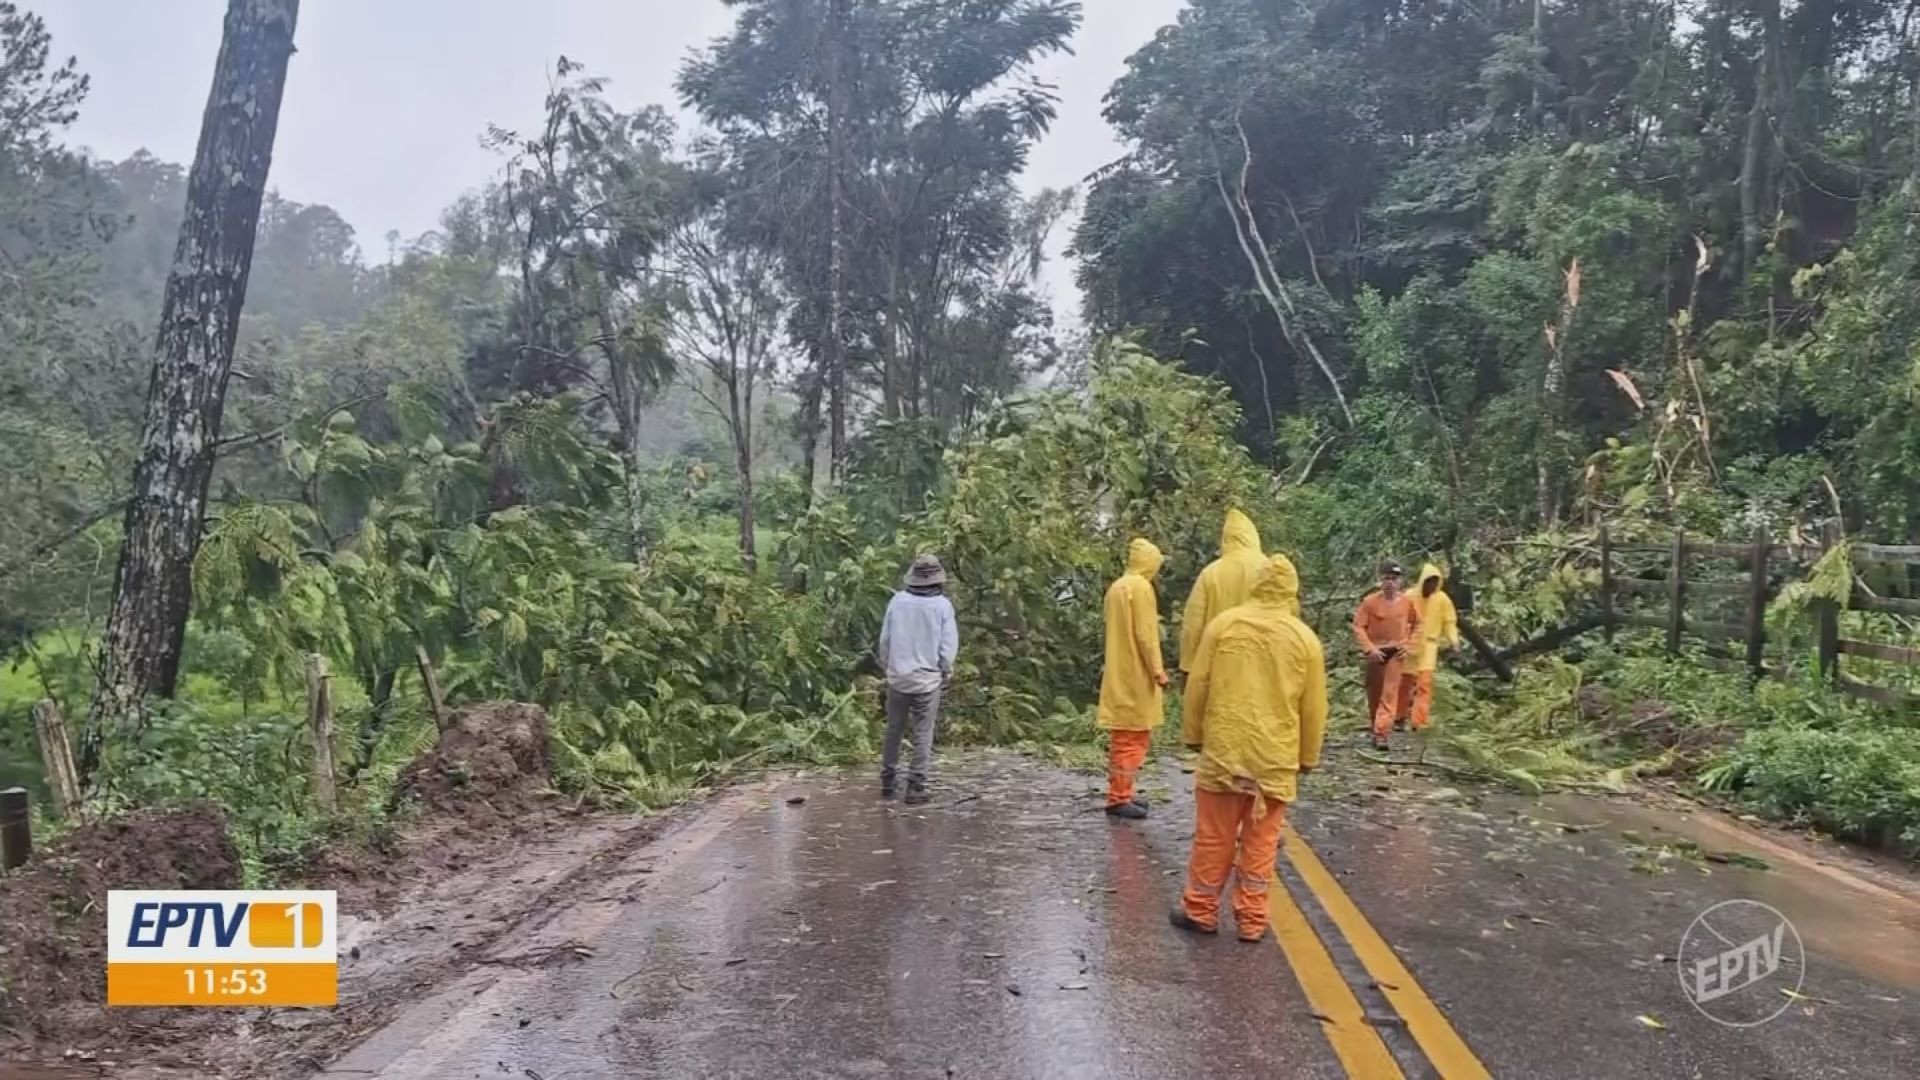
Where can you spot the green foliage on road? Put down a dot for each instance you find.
(647, 431)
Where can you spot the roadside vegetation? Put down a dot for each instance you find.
(646, 438)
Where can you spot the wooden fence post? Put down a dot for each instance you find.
(1757, 603)
(320, 727)
(435, 702)
(16, 828)
(56, 753)
(1677, 591)
(1829, 613)
(1606, 584)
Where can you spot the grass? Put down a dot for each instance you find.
(63, 656)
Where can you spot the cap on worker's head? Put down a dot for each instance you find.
(1389, 568)
(926, 570)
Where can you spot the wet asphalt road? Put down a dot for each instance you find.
(1011, 930)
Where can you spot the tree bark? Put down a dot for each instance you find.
(743, 475)
(835, 351)
(193, 356)
(1533, 110)
(1266, 276)
(740, 402)
(807, 423)
(430, 682)
(1552, 388)
(1754, 157)
(320, 730)
(629, 403)
(1913, 110)
(379, 690)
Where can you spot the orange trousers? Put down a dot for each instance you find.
(1226, 836)
(1383, 691)
(1416, 697)
(1126, 752)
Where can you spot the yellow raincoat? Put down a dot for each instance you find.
(1439, 622)
(1130, 697)
(1256, 699)
(1225, 583)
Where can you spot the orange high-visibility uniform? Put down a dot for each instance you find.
(1392, 626)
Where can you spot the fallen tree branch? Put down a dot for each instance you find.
(231, 445)
(1265, 275)
(236, 443)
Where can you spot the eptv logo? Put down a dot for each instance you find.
(1735, 960)
(232, 948)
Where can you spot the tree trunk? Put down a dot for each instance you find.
(199, 317)
(1266, 276)
(890, 390)
(1754, 157)
(1533, 110)
(807, 420)
(430, 683)
(836, 345)
(629, 397)
(320, 730)
(739, 418)
(1552, 408)
(379, 692)
(743, 475)
(1913, 110)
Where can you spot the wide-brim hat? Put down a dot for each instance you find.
(926, 570)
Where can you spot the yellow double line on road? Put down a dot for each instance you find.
(1355, 1042)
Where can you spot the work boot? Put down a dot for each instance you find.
(1254, 939)
(886, 786)
(1381, 744)
(1183, 921)
(1132, 811)
(1400, 723)
(917, 794)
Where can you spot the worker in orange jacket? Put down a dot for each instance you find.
(1386, 626)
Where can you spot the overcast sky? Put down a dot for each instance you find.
(387, 99)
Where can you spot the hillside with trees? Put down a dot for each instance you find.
(645, 431)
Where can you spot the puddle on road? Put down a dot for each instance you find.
(1868, 926)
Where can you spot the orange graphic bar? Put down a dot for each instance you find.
(225, 985)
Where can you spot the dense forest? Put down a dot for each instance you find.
(1516, 265)
(647, 429)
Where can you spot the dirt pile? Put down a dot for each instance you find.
(53, 911)
(482, 791)
(491, 762)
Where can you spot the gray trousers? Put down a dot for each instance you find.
(921, 710)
